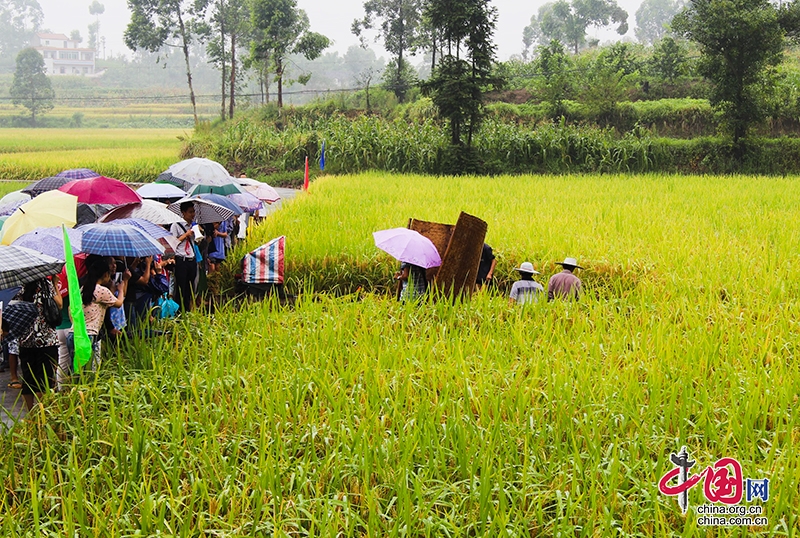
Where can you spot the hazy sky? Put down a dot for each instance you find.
(331, 18)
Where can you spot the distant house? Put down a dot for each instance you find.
(63, 56)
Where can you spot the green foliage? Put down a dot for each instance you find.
(567, 22)
(669, 60)
(554, 83)
(282, 29)
(653, 19)
(31, 88)
(741, 41)
(19, 19)
(464, 73)
(399, 29)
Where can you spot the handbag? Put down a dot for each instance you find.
(51, 311)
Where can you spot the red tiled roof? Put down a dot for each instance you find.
(53, 36)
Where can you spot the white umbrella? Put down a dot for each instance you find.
(263, 192)
(148, 210)
(15, 196)
(200, 171)
(160, 190)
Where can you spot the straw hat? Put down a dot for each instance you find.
(526, 267)
(570, 262)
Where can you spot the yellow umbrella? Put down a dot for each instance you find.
(52, 208)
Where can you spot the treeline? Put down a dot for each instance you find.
(272, 144)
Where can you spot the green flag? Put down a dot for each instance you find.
(83, 345)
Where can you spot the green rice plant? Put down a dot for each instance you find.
(126, 154)
(350, 414)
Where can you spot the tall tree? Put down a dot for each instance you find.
(739, 41)
(31, 88)
(654, 17)
(398, 25)
(159, 23)
(230, 23)
(464, 71)
(96, 9)
(282, 29)
(568, 22)
(552, 65)
(19, 19)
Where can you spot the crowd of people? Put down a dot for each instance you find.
(119, 295)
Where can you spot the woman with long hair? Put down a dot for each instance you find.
(97, 298)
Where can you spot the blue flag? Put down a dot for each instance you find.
(322, 157)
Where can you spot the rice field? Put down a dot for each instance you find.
(349, 414)
(125, 154)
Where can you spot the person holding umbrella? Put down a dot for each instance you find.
(417, 254)
(185, 270)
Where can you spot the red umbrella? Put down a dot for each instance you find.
(101, 190)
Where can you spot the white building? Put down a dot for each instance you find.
(63, 56)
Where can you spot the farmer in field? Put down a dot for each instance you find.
(486, 267)
(413, 281)
(185, 271)
(526, 290)
(565, 285)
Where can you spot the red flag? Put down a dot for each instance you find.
(305, 180)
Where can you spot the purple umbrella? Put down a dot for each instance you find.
(8, 209)
(408, 246)
(47, 184)
(246, 201)
(78, 173)
(49, 241)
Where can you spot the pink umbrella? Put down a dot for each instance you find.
(408, 246)
(101, 190)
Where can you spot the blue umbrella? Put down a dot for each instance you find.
(49, 241)
(108, 239)
(78, 173)
(221, 200)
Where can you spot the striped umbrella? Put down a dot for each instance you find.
(78, 173)
(20, 317)
(20, 265)
(205, 210)
(224, 201)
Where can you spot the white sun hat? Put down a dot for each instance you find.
(571, 262)
(526, 267)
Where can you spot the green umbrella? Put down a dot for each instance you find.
(223, 190)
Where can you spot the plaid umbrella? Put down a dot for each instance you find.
(20, 265)
(205, 210)
(49, 241)
(78, 173)
(101, 190)
(118, 240)
(20, 316)
(148, 210)
(47, 184)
